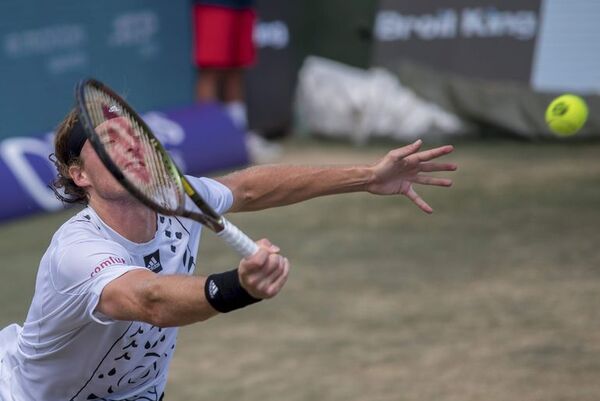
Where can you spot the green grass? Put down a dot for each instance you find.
(493, 297)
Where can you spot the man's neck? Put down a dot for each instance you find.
(130, 219)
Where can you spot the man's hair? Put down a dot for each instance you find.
(63, 185)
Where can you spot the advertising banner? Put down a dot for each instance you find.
(475, 38)
(141, 48)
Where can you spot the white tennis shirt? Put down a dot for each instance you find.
(68, 351)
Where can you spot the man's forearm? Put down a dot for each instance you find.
(178, 300)
(263, 187)
(156, 299)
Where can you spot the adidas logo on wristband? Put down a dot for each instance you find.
(212, 289)
(228, 294)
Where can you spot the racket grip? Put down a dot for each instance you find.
(237, 239)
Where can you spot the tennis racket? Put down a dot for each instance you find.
(138, 161)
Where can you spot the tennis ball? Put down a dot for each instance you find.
(566, 115)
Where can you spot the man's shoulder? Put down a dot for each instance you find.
(81, 226)
(80, 250)
(215, 193)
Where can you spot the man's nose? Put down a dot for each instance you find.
(133, 142)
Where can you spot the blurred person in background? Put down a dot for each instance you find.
(223, 48)
(117, 279)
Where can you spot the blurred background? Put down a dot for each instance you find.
(357, 71)
(493, 297)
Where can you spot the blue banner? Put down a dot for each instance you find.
(141, 48)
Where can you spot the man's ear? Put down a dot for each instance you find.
(78, 175)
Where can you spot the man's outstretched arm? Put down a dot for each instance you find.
(263, 187)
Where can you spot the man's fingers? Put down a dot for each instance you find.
(279, 282)
(271, 274)
(427, 155)
(427, 180)
(430, 167)
(265, 243)
(257, 260)
(407, 150)
(413, 196)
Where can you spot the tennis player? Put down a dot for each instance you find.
(116, 281)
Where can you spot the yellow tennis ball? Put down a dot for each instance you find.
(566, 115)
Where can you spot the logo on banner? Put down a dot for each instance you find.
(470, 22)
(273, 34)
(60, 48)
(138, 30)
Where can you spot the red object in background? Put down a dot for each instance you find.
(223, 37)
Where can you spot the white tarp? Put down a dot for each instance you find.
(337, 100)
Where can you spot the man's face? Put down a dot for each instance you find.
(93, 176)
(125, 148)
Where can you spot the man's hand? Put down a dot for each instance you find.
(263, 274)
(401, 168)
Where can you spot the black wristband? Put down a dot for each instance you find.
(225, 293)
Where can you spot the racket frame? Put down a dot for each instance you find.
(208, 217)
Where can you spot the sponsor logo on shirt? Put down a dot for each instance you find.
(152, 261)
(106, 263)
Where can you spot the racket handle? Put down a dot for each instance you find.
(237, 239)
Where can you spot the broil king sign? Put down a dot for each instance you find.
(486, 39)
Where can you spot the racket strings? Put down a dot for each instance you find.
(135, 151)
